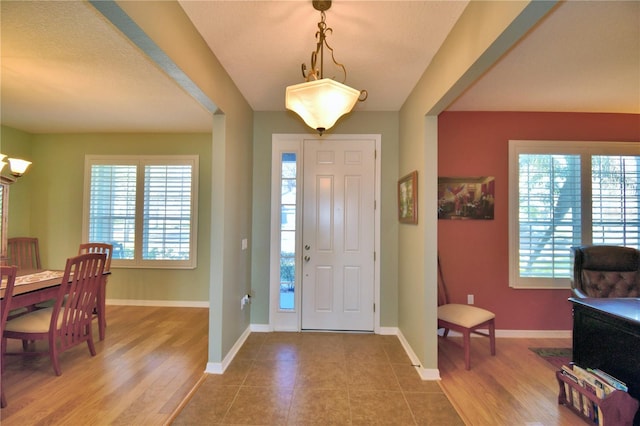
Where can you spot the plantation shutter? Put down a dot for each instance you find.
(146, 207)
(564, 194)
(615, 182)
(549, 214)
(112, 207)
(167, 212)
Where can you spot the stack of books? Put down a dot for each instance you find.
(595, 382)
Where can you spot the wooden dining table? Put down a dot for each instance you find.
(34, 287)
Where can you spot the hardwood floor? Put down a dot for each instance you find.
(515, 387)
(149, 361)
(152, 358)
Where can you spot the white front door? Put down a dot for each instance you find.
(338, 238)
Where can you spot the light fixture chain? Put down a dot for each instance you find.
(321, 36)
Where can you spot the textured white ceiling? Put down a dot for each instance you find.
(584, 57)
(65, 68)
(384, 45)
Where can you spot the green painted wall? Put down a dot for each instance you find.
(268, 123)
(54, 197)
(168, 26)
(18, 144)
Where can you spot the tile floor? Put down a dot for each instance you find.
(322, 379)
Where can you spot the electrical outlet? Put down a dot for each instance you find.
(470, 300)
(246, 299)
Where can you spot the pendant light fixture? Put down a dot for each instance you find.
(17, 167)
(320, 101)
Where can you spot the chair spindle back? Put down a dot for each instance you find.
(8, 279)
(83, 275)
(24, 253)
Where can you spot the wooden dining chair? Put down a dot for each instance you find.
(100, 311)
(8, 279)
(465, 319)
(24, 253)
(68, 322)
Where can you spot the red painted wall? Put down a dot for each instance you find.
(474, 253)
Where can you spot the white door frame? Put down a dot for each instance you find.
(291, 320)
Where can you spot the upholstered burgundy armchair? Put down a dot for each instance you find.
(605, 271)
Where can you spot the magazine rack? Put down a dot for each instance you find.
(617, 409)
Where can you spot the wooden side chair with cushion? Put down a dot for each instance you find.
(68, 322)
(465, 319)
(100, 311)
(8, 279)
(24, 252)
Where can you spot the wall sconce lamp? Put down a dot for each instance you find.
(17, 167)
(320, 101)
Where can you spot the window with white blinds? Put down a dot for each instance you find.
(615, 183)
(145, 207)
(549, 213)
(563, 194)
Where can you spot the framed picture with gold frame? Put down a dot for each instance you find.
(466, 198)
(408, 198)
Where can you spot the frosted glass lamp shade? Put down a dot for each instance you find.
(2, 164)
(18, 166)
(320, 103)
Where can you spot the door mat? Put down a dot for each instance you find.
(556, 356)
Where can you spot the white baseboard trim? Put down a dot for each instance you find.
(161, 303)
(424, 373)
(428, 373)
(261, 328)
(388, 331)
(220, 367)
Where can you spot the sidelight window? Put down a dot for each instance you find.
(288, 229)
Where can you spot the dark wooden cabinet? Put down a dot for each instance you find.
(606, 335)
